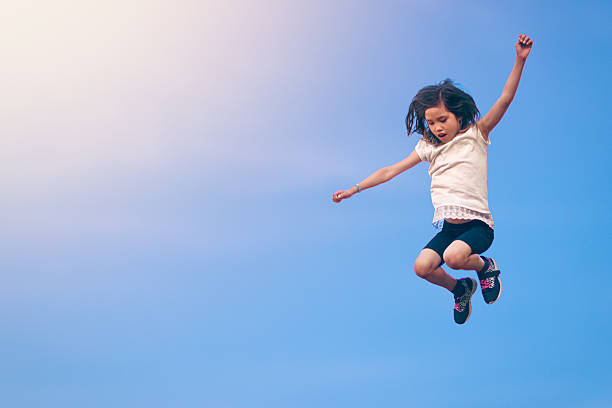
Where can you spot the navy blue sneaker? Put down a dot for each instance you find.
(463, 306)
(489, 280)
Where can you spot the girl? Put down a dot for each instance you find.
(454, 142)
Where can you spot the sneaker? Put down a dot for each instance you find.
(463, 306)
(489, 280)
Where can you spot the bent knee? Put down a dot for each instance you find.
(423, 268)
(454, 260)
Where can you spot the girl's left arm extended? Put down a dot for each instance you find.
(492, 118)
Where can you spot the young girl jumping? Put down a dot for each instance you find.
(454, 141)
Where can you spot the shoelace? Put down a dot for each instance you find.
(461, 302)
(487, 283)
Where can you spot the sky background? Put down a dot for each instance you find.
(169, 238)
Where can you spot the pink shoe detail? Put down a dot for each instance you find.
(487, 283)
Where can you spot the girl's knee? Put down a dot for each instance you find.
(423, 268)
(454, 259)
(457, 254)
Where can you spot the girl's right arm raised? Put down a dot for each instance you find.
(379, 176)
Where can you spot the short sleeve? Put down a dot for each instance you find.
(481, 136)
(423, 149)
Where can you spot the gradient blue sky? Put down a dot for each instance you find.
(169, 236)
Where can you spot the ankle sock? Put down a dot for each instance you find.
(459, 289)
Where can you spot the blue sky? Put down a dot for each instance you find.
(170, 238)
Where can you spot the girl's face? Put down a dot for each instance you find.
(443, 124)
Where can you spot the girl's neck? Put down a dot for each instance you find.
(456, 134)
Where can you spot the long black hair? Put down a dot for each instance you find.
(461, 104)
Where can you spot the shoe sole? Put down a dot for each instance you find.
(500, 284)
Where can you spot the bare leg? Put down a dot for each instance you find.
(426, 267)
(474, 263)
(439, 277)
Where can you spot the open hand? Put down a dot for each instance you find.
(523, 46)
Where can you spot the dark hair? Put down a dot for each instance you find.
(454, 100)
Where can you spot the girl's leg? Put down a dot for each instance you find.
(463, 252)
(459, 255)
(427, 267)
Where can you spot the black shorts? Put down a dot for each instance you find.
(477, 234)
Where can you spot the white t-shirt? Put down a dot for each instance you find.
(458, 171)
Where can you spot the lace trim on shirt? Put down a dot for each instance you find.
(461, 213)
